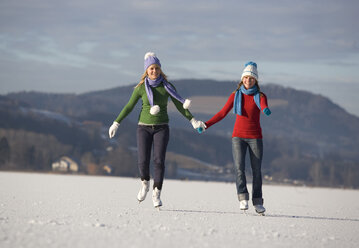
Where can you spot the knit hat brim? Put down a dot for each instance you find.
(249, 73)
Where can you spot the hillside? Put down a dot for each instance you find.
(307, 139)
(32, 139)
(298, 114)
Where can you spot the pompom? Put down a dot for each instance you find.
(187, 104)
(250, 63)
(150, 54)
(155, 110)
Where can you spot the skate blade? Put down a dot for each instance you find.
(244, 210)
(158, 208)
(261, 214)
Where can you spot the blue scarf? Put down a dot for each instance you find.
(154, 83)
(237, 105)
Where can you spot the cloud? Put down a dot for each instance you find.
(46, 50)
(205, 38)
(277, 29)
(86, 47)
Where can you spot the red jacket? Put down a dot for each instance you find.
(248, 124)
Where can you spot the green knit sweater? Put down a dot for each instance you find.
(160, 97)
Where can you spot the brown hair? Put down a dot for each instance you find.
(241, 83)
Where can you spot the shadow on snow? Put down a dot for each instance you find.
(266, 215)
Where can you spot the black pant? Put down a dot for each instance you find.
(158, 136)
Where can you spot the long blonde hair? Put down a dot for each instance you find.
(144, 75)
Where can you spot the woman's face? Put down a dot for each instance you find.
(248, 82)
(153, 71)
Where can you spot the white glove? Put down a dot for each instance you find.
(113, 129)
(202, 125)
(197, 124)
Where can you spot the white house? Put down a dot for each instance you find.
(65, 164)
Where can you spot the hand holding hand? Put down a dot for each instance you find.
(198, 125)
(195, 123)
(202, 127)
(113, 129)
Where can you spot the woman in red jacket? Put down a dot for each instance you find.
(247, 102)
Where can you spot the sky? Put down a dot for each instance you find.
(77, 46)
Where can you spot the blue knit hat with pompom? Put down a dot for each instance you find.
(250, 69)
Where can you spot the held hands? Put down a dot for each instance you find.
(113, 129)
(202, 127)
(198, 125)
(200, 130)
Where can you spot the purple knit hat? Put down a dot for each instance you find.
(150, 59)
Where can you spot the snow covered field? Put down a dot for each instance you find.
(42, 210)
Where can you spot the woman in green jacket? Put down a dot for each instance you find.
(153, 131)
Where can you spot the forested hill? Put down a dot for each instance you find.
(296, 114)
(307, 137)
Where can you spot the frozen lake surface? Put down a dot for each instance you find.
(45, 210)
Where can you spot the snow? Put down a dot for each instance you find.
(47, 210)
(48, 114)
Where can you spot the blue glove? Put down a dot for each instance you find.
(267, 111)
(200, 130)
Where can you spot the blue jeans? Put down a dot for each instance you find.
(239, 149)
(156, 136)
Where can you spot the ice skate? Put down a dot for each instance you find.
(156, 193)
(243, 205)
(259, 209)
(143, 190)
